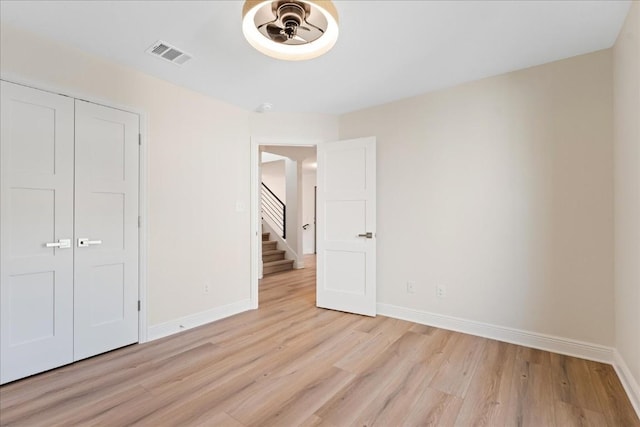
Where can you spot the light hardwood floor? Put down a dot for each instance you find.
(290, 363)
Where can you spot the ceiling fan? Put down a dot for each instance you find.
(291, 25)
(290, 29)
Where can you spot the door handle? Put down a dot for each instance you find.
(83, 242)
(60, 244)
(368, 235)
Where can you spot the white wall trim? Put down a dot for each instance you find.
(629, 383)
(197, 319)
(256, 224)
(143, 231)
(569, 347)
(555, 344)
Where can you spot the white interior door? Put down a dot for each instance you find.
(36, 214)
(346, 259)
(106, 209)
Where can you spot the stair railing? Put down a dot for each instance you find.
(274, 209)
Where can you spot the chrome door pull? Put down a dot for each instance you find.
(83, 242)
(60, 244)
(368, 235)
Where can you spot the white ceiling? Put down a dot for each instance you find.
(387, 50)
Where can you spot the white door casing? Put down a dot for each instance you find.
(106, 210)
(346, 258)
(36, 198)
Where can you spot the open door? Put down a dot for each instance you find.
(346, 275)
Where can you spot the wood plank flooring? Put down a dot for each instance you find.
(292, 364)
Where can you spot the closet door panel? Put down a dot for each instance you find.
(106, 208)
(36, 195)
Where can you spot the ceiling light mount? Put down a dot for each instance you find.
(265, 107)
(290, 29)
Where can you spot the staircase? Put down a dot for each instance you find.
(273, 258)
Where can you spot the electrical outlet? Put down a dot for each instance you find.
(411, 287)
(441, 291)
(206, 288)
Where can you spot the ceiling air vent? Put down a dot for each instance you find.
(169, 53)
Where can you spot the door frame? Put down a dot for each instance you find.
(256, 238)
(143, 201)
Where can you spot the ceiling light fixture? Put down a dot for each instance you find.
(265, 107)
(292, 30)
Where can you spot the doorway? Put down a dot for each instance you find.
(346, 271)
(289, 173)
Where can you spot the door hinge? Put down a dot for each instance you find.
(139, 221)
(138, 305)
(139, 139)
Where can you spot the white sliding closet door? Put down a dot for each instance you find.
(106, 229)
(36, 215)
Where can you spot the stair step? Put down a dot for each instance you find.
(277, 266)
(269, 245)
(265, 236)
(274, 255)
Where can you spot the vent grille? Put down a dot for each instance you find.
(159, 49)
(168, 52)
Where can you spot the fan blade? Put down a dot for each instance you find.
(300, 27)
(266, 23)
(276, 33)
(300, 39)
(314, 26)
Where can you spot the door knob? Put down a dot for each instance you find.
(60, 244)
(368, 235)
(84, 242)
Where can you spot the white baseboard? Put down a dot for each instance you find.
(198, 319)
(583, 350)
(629, 383)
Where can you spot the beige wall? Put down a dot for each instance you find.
(299, 128)
(198, 169)
(626, 78)
(500, 189)
(273, 177)
(192, 189)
